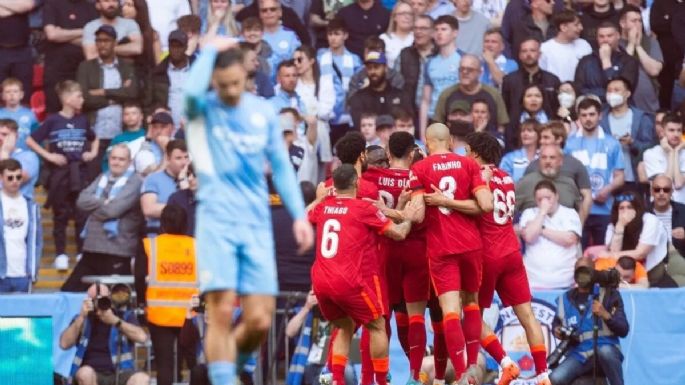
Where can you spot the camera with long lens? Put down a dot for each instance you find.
(607, 278)
(569, 338)
(587, 277)
(101, 302)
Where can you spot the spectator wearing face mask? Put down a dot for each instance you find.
(631, 126)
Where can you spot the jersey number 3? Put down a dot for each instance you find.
(448, 185)
(504, 206)
(330, 238)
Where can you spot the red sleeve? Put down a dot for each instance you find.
(313, 214)
(374, 218)
(477, 181)
(415, 184)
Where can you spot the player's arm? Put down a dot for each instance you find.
(465, 206)
(397, 231)
(485, 200)
(199, 79)
(419, 213)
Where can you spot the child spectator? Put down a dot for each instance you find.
(67, 134)
(12, 95)
(253, 32)
(368, 129)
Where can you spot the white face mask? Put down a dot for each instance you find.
(566, 99)
(614, 99)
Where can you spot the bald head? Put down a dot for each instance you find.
(662, 180)
(438, 138)
(470, 60)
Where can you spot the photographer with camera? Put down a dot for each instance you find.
(103, 355)
(590, 319)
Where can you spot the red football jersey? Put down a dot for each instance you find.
(390, 183)
(346, 231)
(448, 231)
(496, 228)
(365, 189)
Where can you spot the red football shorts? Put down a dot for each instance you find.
(506, 275)
(342, 299)
(457, 272)
(407, 272)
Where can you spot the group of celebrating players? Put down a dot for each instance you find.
(435, 231)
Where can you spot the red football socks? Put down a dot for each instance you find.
(329, 360)
(367, 364)
(539, 353)
(494, 348)
(417, 343)
(338, 362)
(472, 326)
(439, 351)
(402, 321)
(380, 368)
(454, 339)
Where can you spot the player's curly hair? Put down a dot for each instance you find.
(400, 144)
(486, 146)
(350, 147)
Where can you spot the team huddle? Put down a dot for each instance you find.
(434, 232)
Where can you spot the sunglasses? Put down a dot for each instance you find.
(625, 198)
(270, 9)
(298, 59)
(12, 178)
(665, 190)
(468, 69)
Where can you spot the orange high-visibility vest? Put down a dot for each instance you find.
(172, 278)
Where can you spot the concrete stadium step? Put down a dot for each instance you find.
(49, 278)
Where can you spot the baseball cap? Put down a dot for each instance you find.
(162, 118)
(178, 36)
(460, 105)
(384, 121)
(375, 57)
(108, 30)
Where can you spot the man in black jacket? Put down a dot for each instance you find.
(605, 63)
(168, 77)
(667, 21)
(537, 24)
(593, 16)
(672, 215)
(413, 58)
(378, 97)
(514, 83)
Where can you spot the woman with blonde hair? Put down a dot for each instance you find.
(400, 31)
(219, 19)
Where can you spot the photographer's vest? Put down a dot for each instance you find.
(116, 343)
(172, 278)
(570, 317)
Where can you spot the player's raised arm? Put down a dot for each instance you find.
(200, 75)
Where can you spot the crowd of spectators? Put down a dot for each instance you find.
(585, 97)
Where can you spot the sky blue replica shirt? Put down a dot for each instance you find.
(601, 155)
(26, 120)
(441, 72)
(230, 146)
